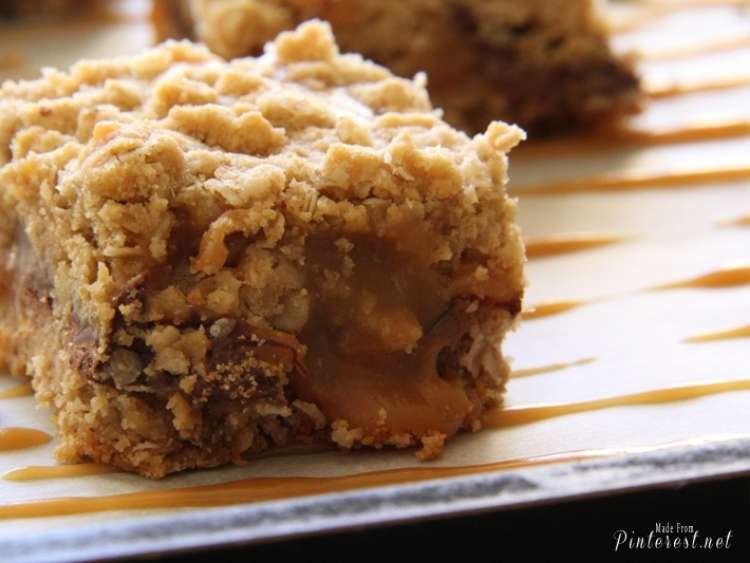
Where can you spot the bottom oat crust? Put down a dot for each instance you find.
(138, 431)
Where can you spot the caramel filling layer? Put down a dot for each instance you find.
(381, 348)
(379, 322)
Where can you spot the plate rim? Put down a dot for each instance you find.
(206, 528)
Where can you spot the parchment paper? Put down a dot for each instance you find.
(636, 337)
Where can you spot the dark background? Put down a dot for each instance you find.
(575, 531)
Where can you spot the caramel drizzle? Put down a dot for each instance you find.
(687, 51)
(698, 130)
(743, 221)
(23, 390)
(732, 276)
(676, 5)
(740, 332)
(22, 438)
(261, 489)
(657, 88)
(551, 308)
(607, 139)
(267, 489)
(655, 10)
(39, 472)
(638, 179)
(517, 416)
(551, 368)
(43, 472)
(553, 245)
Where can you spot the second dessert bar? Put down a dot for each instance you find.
(544, 64)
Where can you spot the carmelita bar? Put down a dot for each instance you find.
(202, 260)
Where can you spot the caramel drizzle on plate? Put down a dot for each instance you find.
(743, 221)
(740, 332)
(697, 130)
(728, 277)
(22, 390)
(551, 308)
(720, 45)
(528, 372)
(706, 129)
(731, 276)
(43, 472)
(22, 438)
(652, 10)
(261, 489)
(553, 245)
(40, 472)
(638, 180)
(517, 416)
(267, 489)
(656, 87)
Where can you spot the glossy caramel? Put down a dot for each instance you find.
(694, 50)
(739, 332)
(553, 245)
(22, 390)
(638, 180)
(22, 438)
(267, 489)
(550, 308)
(657, 88)
(730, 276)
(551, 368)
(516, 416)
(41, 472)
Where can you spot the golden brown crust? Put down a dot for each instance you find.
(544, 64)
(182, 231)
